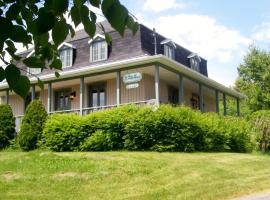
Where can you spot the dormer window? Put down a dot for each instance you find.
(98, 48)
(32, 71)
(194, 62)
(169, 48)
(66, 54)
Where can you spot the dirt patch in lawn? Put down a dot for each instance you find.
(66, 175)
(9, 176)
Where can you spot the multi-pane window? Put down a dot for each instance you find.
(169, 51)
(62, 100)
(2, 99)
(66, 56)
(195, 64)
(98, 51)
(33, 71)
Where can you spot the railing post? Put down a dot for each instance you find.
(7, 96)
(81, 95)
(157, 86)
(217, 101)
(33, 93)
(238, 106)
(49, 109)
(118, 88)
(224, 104)
(201, 97)
(181, 89)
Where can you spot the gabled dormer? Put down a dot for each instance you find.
(98, 48)
(31, 71)
(194, 60)
(66, 54)
(169, 48)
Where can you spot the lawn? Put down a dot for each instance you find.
(131, 175)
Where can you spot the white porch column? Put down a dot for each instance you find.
(238, 106)
(118, 88)
(181, 89)
(49, 109)
(33, 93)
(7, 96)
(201, 97)
(224, 104)
(81, 95)
(217, 101)
(157, 86)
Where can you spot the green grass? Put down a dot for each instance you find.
(131, 175)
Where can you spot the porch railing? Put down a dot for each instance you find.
(88, 110)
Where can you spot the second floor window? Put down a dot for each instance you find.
(66, 57)
(195, 64)
(98, 51)
(33, 71)
(169, 51)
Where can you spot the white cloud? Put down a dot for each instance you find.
(202, 34)
(161, 5)
(262, 32)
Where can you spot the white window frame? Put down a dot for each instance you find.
(99, 41)
(34, 71)
(66, 62)
(169, 51)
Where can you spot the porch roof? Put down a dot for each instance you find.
(131, 63)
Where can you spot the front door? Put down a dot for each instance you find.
(173, 95)
(62, 99)
(97, 95)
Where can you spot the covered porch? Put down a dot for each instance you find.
(160, 81)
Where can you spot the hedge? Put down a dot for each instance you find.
(7, 125)
(142, 128)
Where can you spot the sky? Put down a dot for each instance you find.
(218, 30)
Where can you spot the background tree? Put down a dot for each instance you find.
(254, 78)
(30, 22)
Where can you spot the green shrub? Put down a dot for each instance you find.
(112, 122)
(99, 141)
(261, 129)
(133, 128)
(32, 125)
(7, 125)
(63, 132)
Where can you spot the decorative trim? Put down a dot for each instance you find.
(168, 41)
(95, 37)
(65, 44)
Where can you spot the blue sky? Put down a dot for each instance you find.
(219, 31)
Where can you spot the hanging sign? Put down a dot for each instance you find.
(132, 86)
(132, 77)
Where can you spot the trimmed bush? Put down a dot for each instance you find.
(32, 125)
(133, 128)
(64, 132)
(7, 125)
(99, 141)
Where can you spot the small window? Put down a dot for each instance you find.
(98, 51)
(169, 51)
(195, 64)
(66, 56)
(3, 99)
(33, 71)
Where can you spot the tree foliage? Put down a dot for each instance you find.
(30, 22)
(254, 78)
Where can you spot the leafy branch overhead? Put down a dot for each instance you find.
(30, 22)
